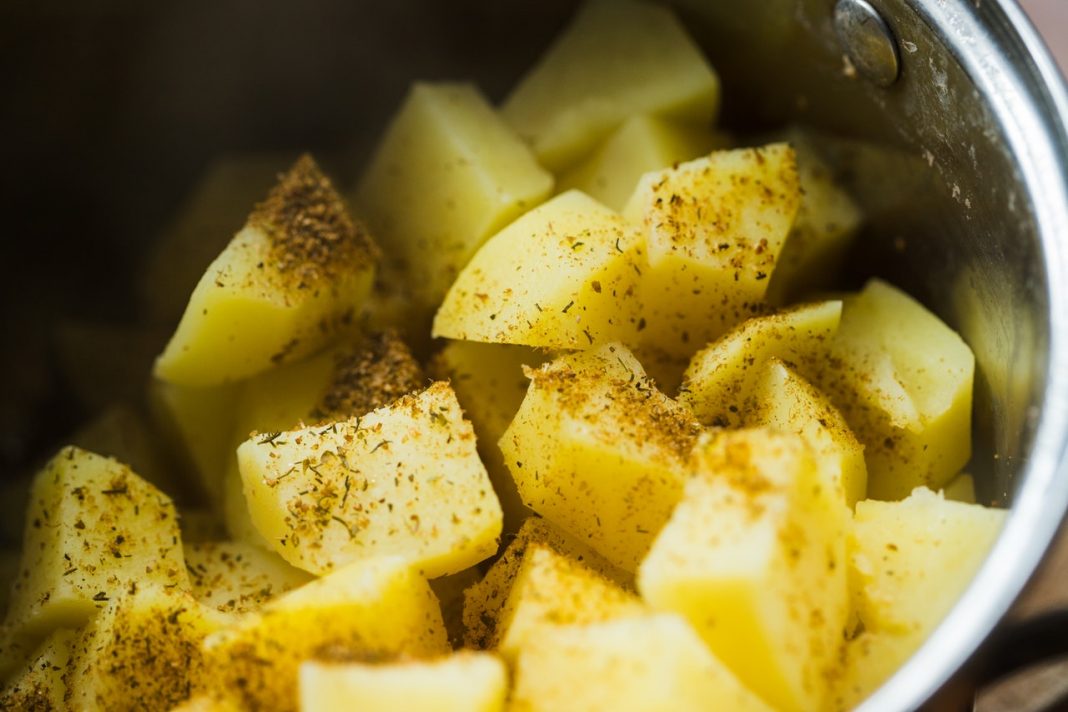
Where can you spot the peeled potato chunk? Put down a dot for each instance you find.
(754, 558)
(721, 381)
(652, 663)
(375, 609)
(448, 174)
(599, 452)
(713, 229)
(403, 480)
(94, 528)
(39, 685)
(615, 59)
(462, 682)
(960, 489)
(903, 381)
(289, 282)
(642, 144)
(237, 577)
(563, 276)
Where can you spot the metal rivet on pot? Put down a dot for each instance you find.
(868, 41)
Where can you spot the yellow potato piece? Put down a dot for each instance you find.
(713, 229)
(39, 684)
(208, 703)
(237, 577)
(721, 381)
(960, 489)
(448, 173)
(867, 662)
(291, 281)
(404, 480)
(642, 144)
(94, 528)
(563, 276)
(903, 381)
(754, 558)
(461, 682)
(788, 403)
(599, 452)
(651, 663)
(615, 59)
(375, 609)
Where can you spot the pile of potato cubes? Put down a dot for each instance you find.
(555, 425)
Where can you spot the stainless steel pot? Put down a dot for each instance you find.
(959, 154)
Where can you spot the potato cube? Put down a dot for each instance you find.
(147, 639)
(39, 685)
(652, 663)
(404, 480)
(16, 649)
(209, 703)
(903, 381)
(292, 280)
(722, 380)
(490, 385)
(642, 144)
(547, 588)
(461, 682)
(614, 60)
(375, 609)
(599, 452)
(563, 276)
(94, 528)
(448, 174)
(960, 489)
(788, 403)
(755, 552)
(866, 662)
(237, 577)
(911, 560)
(713, 230)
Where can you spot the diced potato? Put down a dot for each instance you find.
(642, 144)
(721, 383)
(94, 528)
(866, 662)
(292, 280)
(826, 222)
(599, 452)
(461, 682)
(209, 703)
(490, 385)
(448, 174)
(754, 558)
(375, 609)
(713, 230)
(404, 480)
(547, 589)
(960, 489)
(39, 685)
(903, 381)
(563, 276)
(645, 664)
(450, 592)
(911, 560)
(237, 577)
(615, 59)
(788, 403)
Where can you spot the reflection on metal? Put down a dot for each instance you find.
(868, 42)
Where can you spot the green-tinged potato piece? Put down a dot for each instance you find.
(563, 276)
(237, 577)
(490, 385)
(599, 452)
(615, 59)
(713, 230)
(404, 480)
(960, 489)
(653, 663)
(291, 281)
(93, 529)
(448, 173)
(547, 588)
(16, 648)
(788, 403)
(642, 144)
(903, 381)
(461, 682)
(39, 684)
(372, 610)
(754, 558)
(720, 385)
(141, 652)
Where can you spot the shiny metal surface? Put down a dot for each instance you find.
(867, 41)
